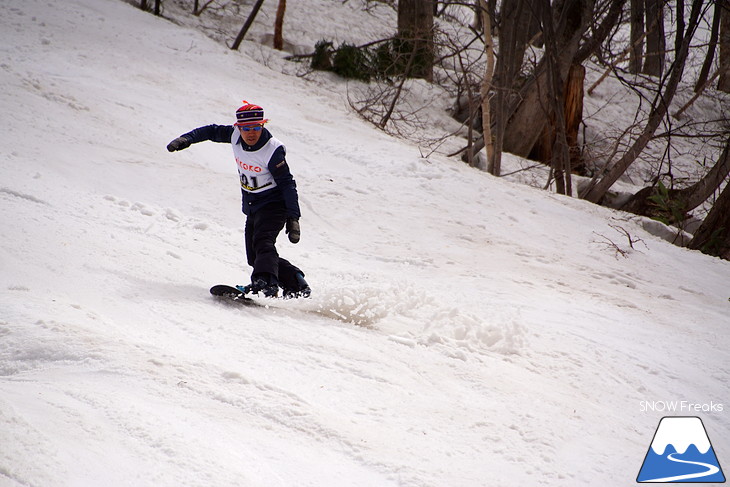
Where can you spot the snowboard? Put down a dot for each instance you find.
(230, 293)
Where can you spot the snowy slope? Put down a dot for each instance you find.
(463, 330)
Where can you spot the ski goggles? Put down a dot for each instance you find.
(248, 128)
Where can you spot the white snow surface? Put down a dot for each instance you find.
(463, 330)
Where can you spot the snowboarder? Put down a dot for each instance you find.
(270, 199)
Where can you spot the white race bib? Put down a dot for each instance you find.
(253, 166)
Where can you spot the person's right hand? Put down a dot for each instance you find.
(178, 144)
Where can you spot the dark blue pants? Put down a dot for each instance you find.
(262, 229)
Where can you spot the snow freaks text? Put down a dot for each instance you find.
(682, 407)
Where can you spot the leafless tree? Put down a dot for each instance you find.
(415, 34)
(560, 158)
(723, 84)
(528, 119)
(655, 40)
(197, 9)
(513, 38)
(636, 57)
(486, 85)
(713, 236)
(279, 26)
(515, 91)
(247, 25)
(145, 5)
(701, 83)
(659, 108)
(676, 203)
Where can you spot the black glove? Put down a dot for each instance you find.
(292, 229)
(178, 144)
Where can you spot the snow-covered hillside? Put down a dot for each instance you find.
(463, 330)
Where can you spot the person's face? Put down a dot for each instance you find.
(251, 133)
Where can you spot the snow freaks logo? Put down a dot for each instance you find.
(681, 407)
(680, 452)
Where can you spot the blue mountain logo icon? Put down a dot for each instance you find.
(680, 452)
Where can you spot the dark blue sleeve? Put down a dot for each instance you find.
(285, 181)
(215, 133)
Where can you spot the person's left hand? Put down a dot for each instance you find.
(292, 229)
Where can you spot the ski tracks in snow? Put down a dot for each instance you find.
(269, 370)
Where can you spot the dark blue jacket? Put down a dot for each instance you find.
(285, 190)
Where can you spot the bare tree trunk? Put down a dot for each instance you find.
(636, 57)
(714, 34)
(574, 114)
(528, 120)
(493, 160)
(560, 158)
(513, 32)
(679, 21)
(470, 154)
(595, 192)
(698, 193)
(723, 84)
(684, 200)
(279, 26)
(197, 9)
(599, 34)
(655, 42)
(247, 25)
(573, 109)
(713, 236)
(415, 28)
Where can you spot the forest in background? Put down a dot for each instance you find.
(516, 71)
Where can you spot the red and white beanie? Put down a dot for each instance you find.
(250, 114)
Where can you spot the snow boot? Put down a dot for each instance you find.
(302, 289)
(260, 285)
